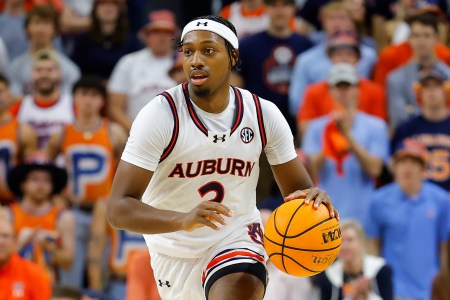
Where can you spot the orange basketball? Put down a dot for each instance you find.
(301, 240)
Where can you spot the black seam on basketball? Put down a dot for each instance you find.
(301, 249)
(312, 227)
(282, 255)
(284, 235)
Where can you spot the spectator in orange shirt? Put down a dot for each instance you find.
(19, 278)
(318, 99)
(394, 56)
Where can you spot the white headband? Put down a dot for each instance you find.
(213, 26)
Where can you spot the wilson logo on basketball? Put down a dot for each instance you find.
(324, 260)
(247, 135)
(331, 236)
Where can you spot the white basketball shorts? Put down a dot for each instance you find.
(191, 278)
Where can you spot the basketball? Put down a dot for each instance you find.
(301, 240)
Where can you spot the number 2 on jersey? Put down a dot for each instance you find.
(213, 186)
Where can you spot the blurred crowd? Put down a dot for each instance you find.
(364, 85)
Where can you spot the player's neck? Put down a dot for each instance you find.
(214, 103)
(435, 115)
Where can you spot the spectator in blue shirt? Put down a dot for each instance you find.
(347, 147)
(314, 65)
(408, 224)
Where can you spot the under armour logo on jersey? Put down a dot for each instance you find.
(161, 283)
(218, 138)
(202, 23)
(247, 135)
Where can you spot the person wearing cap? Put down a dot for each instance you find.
(408, 223)
(347, 147)
(45, 231)
(432, 126)
(318, 101)
(19, 278)
(314, 65)
(17, 141)
(41, 26)
(401, 97)
(188, 174)
(48, 108)
(141, 75)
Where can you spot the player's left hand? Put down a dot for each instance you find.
(316, 195)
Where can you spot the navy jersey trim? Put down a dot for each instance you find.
(192, 112)
(239, 113)
(262, 130)
(176, 127)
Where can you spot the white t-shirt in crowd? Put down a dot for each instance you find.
(140, 76)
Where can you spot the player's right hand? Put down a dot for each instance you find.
(207, 213)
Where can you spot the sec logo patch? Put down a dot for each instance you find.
(247, 135)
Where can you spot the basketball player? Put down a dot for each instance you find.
(194, 151)
(17, 141)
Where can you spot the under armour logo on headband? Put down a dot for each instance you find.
(213, 26)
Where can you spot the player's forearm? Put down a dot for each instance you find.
(133, 215)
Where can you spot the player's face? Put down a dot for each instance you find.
(433, 94)
(409, 172)
(423, 39)
(41, 31)
(206, 62)
(46, 76)
(7, 242)
(344, 55)
(38, 186)
(352, 246)
(280, 14)
(88, 101)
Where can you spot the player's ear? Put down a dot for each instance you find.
(234, 58)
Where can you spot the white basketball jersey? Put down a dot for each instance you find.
(45, 121)
(199, 165)
(244, 25)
